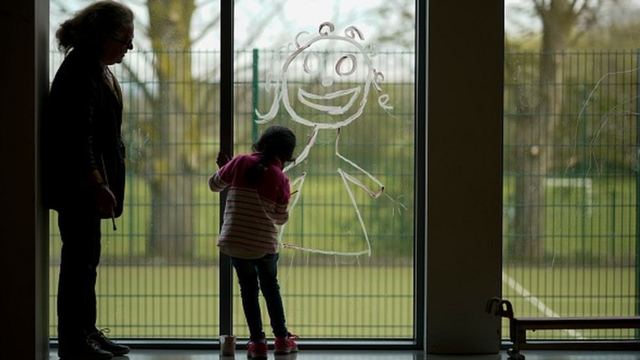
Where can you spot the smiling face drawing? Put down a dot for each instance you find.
(335, 74)
(325, 81)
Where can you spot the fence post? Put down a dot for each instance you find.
(583, 171)
(637, 191)
(255, 86)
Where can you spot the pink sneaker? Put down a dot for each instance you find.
(286, 345)
(257, 349)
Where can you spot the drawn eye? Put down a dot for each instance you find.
(311, 63)
(346, 65)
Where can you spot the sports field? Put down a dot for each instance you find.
(340, 300)
(320, 301)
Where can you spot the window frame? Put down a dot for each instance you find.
(227, 105)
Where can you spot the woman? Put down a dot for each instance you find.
(83, 165)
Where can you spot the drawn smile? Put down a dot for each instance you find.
(317, 102)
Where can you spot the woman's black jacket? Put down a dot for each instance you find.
(82, 145)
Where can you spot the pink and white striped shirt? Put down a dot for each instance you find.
(253, 211)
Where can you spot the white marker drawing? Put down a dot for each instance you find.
(331, 110)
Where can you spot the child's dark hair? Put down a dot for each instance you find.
(276, 142)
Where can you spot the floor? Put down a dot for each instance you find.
(139, 354)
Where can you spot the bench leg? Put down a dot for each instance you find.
(518, 336)
(515, 354)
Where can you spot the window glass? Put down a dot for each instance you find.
(158, 274)
(571, 162)
(330, 72)
(347, 258)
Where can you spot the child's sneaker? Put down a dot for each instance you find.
(286, 345)
(257, 349)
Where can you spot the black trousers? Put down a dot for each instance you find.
(77, 307)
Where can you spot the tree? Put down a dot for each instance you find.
(174, 120)
(399, 12)
(562, 23)
(181, 103)
(178, 101)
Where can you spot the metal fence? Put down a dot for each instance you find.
(571, 187)
(570, 200)
(159, 272)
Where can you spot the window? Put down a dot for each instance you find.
(571, 164)
(348, 266)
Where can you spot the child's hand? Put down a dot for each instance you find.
(222, 159)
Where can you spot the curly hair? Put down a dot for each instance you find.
(90, 27)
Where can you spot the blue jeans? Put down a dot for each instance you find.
(264, 270)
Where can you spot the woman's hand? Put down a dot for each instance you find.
(104, 200)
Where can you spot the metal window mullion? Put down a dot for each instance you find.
(419, 239)
(226, 145)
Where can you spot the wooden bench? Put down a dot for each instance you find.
(518, 328)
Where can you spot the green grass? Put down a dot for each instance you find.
(573, 292)
(600, 231)
(324, 219)
(582, 228)
(588, 270)
(320, 301)
(339, 301)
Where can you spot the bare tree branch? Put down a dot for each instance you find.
(259, 27)
(539, 6)
(133, 75)
(207, 28)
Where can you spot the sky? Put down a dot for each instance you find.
(257, 26)
(254, 23)
(297, 15)
(514, 20)
(251, 18)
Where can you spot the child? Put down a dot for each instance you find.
(256, 204)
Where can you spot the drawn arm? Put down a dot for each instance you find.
(305, 152)
(374, 193)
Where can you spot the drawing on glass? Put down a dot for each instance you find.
(330, 59)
